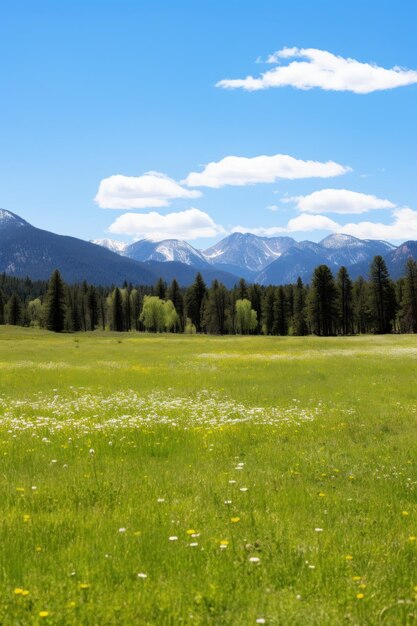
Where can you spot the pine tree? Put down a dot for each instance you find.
(194, 301)
(216, 309)
(2, 304)
(344, 292)
(92, 306)
(174, 294)
(360, 305)
(280, 324)
(117, 311)
(409, 301)
(55, 303)
(382, 302)
(268, 310)
(299, 318)
(160, 289)
(322, 302)
(14, 308)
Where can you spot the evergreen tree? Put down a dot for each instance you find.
(55, 306)
(194, 300)
(409, 300)
(160, 289)
(92, 306)
(268, 301)
(255, 297)
(2, 305)
(344, 301)
(300, 313)
(174, 294)
(242, 289)
(280, 323)
(322, 302)
(117, 311)
(216, 309)
(134, 309)
(14, 310)
(382, 303)
(360, 305)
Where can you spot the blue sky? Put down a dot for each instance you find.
(94, 89)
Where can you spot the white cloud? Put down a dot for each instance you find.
(239, 171)
(189, 224)
(272, 207)
(403, 227)
(302, 223)
(324, 70)
(340, 201)
(152, 189)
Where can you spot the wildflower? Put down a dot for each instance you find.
(38, 549)
(85, 586)
(232, 482)
(349, 557)
(412, 538)
(254, 559)
(26, 517)
(356, 578)
(142, 575)
(235, 520)
(18, 591)
(20, 489)
(161, 500)
(122, 530)
(223, 544)
(405, 513)
(190, 531)
(92, 451)
(228, 502)
(322, 495)
(243, 489)
(194, 544)
(261, 620)
(43, 613)
(173, 538)
(318, 530)
(360, 596)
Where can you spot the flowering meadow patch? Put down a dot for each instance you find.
(140, 488)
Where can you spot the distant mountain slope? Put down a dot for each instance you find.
(347, 250)
(29, 251)
(166, 250)
(247, 251)
(299, 260)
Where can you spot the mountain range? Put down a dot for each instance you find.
(29, 251)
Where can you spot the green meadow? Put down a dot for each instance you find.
(162, 479)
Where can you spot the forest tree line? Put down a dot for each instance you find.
(330, 305)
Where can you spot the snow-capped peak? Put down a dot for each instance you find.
(7, 218)
(111, 244)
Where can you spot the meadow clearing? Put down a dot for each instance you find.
(207, 480)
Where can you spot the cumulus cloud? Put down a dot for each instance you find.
(152, 189)
(239, 171)
(189, 224)
(402, 227)
(340, 201)
(318, 68)
(301, 223)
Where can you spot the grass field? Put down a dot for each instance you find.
(203, 480)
